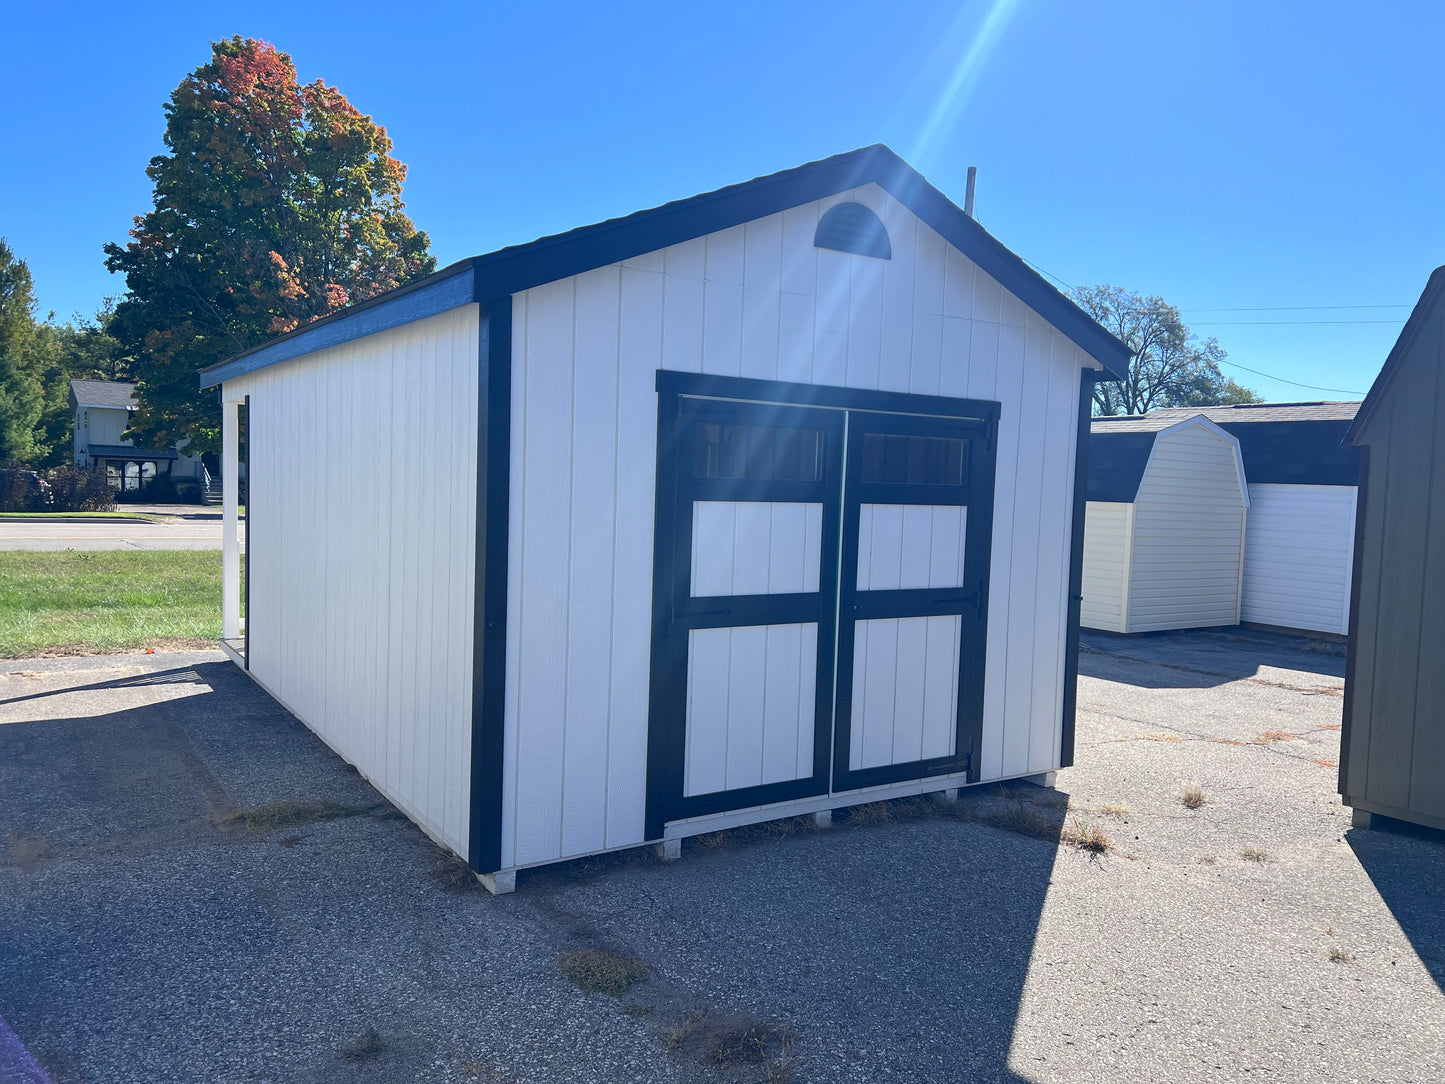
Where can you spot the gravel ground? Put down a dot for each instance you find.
(143, 938)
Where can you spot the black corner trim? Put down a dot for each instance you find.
(489, 634)
(851, 227)
(1352, 644)
(1076, 568)
(246, 553)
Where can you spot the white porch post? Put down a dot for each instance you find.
(230, 547)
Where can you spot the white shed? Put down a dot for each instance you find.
(1164, 532)
(756, 504)
(1299, 551)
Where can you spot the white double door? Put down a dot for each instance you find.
(825, 573)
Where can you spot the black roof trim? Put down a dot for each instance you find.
(1397, 354)
(521, 267)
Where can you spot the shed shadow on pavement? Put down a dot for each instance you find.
(1407, 865)
(895, 945)
(1203, 658)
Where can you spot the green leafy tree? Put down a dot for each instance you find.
(31, 378)
(275, 204)
(1168, 366)
(89, 350)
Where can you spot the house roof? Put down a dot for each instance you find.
(1282, 443)
(125, 451)
(1433, 285)
(103, 393)
(483, 279)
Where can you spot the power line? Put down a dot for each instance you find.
(1296, 383)
(1293, 308)
(1283, 323)
(1041, 271)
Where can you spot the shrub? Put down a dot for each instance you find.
(21, 489)
(73, 489)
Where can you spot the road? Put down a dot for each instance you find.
(192, 530)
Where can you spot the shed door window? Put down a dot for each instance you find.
(758, 452)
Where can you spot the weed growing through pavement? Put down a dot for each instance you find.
(274, 816)
(1191, 795)
(1087, 837)
(453, 874)
(1338, 955)
(1118, 810)
(601, 971)
(365, 1047)
(1254, 854)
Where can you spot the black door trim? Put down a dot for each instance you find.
(824, 395)
(676, 613)
(672, 617)
(969, 602)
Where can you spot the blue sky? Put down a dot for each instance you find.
(1259, 165)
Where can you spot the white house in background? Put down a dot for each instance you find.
(102, 410)
(1303, 478)
(770, 508)
(1164, 533)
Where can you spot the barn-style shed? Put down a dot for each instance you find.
(756, 504)
(1302, 481)
(1164, 532)
(1392, 748)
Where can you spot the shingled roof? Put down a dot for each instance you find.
(1282, 443)
(103, 393)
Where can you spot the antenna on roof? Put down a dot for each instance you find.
(968, 191)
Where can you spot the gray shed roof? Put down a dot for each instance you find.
(1282, 443)
(103, 393)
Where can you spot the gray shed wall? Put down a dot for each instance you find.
(1393, 760)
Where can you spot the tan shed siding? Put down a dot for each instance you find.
(1396, 759)
(363, 480)
(1108, 529)
(1297, 557)
(1189, 522)
(756, 300)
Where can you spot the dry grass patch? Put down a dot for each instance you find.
(1087, 837)
(1329, 726)
(872, 813)
(1269, 737)
(1254, 854)
(601, 971)
(367, 1046)
(1226, 741)
(1191, 795)
(453, 875)
(1117, 810)
(736, 1042)
(274, 816)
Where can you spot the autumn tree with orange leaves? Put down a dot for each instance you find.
(276, 204)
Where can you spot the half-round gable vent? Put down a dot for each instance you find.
(851, 227)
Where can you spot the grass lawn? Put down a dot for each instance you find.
(76, 603)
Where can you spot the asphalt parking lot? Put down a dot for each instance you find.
(147, 933)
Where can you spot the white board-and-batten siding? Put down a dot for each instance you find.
(1299, 556)
(757, 300)
(361, 506)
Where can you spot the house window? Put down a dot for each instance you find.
(851, 227)
(85, 419)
